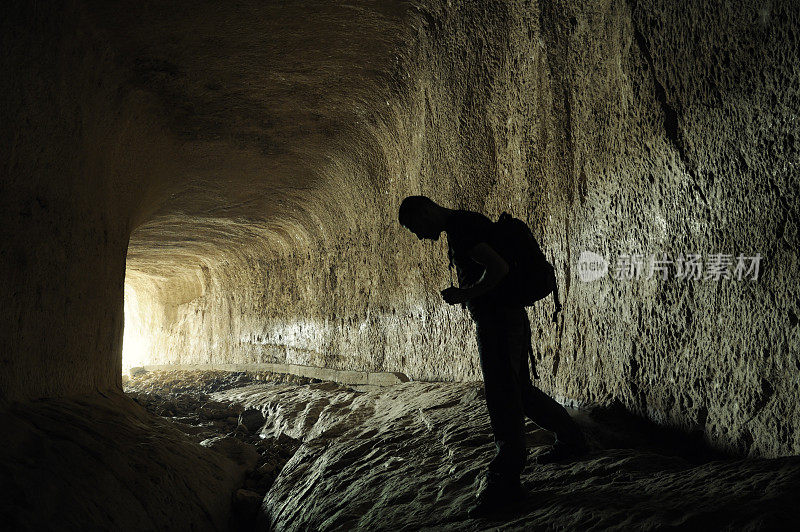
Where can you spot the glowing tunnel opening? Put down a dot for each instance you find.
(136, 343)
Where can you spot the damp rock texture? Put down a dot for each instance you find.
(224, 182)
(412, 456)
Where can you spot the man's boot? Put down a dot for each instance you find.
(498, 496)
(561, 452)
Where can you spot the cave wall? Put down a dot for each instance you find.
(73, 179)
(613, 127)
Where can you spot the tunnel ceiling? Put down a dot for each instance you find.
(259, 97)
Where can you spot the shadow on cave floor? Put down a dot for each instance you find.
(411, 457)
(614, 427)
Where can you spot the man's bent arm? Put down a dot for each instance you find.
(496, 269)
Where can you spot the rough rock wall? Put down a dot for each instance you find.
(71, 181)
(613, 127)
(682, 141)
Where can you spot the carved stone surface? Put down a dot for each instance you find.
(251, 159)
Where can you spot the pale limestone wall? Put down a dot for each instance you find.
(610, 127)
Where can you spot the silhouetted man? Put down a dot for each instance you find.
(503, 334)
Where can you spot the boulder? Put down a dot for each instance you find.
(251, 419)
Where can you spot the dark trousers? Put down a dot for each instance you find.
(503, 342)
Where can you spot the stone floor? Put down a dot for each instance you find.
(410, 457)
(243, 452)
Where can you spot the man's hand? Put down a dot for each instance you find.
(454, 296)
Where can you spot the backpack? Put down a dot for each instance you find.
(530, 277)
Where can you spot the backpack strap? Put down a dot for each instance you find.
(530, 343)
(451, 265)
(555, 300)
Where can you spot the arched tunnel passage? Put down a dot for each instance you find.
(185, 185)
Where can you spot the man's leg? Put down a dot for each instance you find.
(550, 415)
(498, 335)
(541, 408)
(498, 339)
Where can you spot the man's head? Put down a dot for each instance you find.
(422, 216)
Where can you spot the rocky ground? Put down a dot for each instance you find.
(324, 456)
(101, 462)
(224, 425)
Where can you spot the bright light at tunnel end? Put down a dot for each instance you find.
(135, 342)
